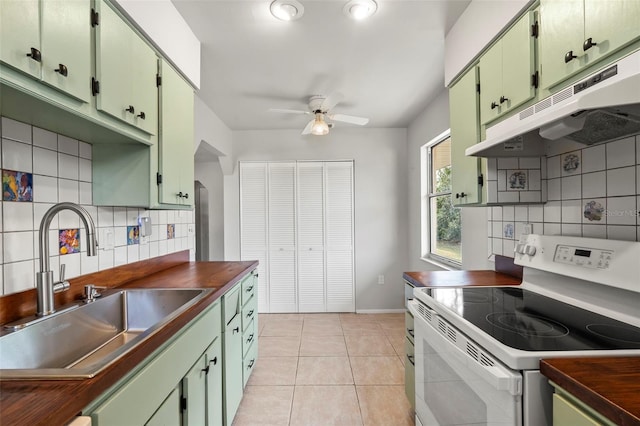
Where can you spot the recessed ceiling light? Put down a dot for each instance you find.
(360, 9)
(287, 10)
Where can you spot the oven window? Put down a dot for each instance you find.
(450, 399)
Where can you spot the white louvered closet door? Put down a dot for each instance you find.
(339, 236)
(311, 262)
(254, 226)
(282, 238)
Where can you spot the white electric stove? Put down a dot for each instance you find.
(579, 297)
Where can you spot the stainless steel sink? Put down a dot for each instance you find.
(85, 338)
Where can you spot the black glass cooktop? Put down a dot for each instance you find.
(529, 321)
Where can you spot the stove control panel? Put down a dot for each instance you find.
(585, 257)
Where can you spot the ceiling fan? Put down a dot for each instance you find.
(320, 106)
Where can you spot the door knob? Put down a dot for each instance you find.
(588, 44)
(503, 99)
(569, 56)
(35, 55)
(141, 115)
(131, 109)
(494, 105)
(62, 70)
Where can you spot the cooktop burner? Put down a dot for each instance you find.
(526, 320)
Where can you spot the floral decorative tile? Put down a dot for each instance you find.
(594, 211)
(133, 235)
(69, 241)
(17, 186)
(571, 163)
(171, 231)
(517, 180)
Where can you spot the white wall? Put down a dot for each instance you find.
(484, 20)
(430, 123)
(381, 228)
(162, 23)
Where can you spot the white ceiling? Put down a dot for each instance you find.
(388, 68)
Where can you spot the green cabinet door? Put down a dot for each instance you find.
(145, 88)
(126, 68)
(66, 51)
(611, 25)
(194, 386)
(232, 374)
(518, 64)
(169, 411)
(214, 384)
(490, 83)
(561, 33)
(19, 32)
(506, 70)
(114, 53)
(463, 107)
(175, 152)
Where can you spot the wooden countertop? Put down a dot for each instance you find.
(459, 278)
(609, 385)
(57, 402)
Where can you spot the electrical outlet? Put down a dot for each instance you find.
(190, 229)
(380, 279)
(107, 240)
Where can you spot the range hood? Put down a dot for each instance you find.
(599, 108)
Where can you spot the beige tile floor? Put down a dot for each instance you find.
(328, 369)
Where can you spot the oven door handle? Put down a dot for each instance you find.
(500, 377)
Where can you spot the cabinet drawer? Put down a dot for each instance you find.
(249, 363)
(249, 312)
(248, 288)
(231, 304)
(409, 350)
(248, 338)
(408, 327)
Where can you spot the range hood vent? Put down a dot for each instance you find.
(602, 107)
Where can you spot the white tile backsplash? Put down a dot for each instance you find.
(593, 191)
(16, 130)
(62, 171)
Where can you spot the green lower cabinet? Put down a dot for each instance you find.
(214, 384)
(194, 394)
(570, 411)
(409, 361)
(232, 374)
(169, 411)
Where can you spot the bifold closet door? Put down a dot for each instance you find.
(311, 256)
(339, 236)
(254, 226)
(281, 198)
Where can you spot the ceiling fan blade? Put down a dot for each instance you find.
(307, 129)
(361, 121)
(288, 111)
(331, 101)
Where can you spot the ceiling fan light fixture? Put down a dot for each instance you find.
(360, 9)
(320, 127)
(287, 10)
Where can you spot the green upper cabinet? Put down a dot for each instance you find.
(175, 152)
(465, 171)
(49, 40)
(574, 34)
(66, 46)
(507, 70)
(126, 70)
(20, 35)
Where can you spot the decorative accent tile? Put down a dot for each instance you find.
(69, 241)
(517, 180)
(508, 230)
(17, 186)
(571, 163)
(133, 235)
(594, 211)
(171, 231)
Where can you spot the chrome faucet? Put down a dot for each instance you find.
(44, 279)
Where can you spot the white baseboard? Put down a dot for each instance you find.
(380, 311)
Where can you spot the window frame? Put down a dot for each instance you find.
(426, 195)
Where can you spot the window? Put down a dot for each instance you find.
(441, 221)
